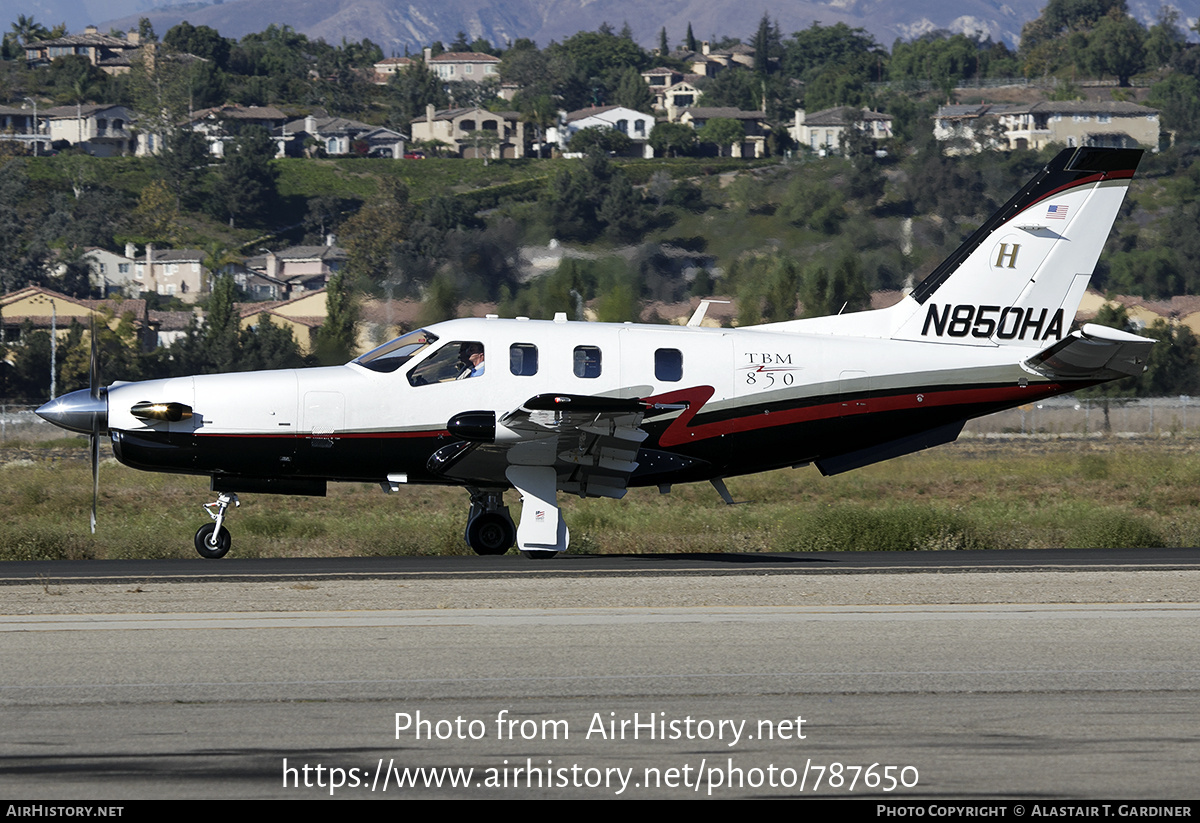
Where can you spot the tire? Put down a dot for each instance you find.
(208, 551)
(491, 533)
(539, 554)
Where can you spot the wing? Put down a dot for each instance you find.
(1093, 352)
(590, 442)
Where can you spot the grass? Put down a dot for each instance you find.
(974, 494)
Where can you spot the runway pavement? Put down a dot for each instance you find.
(1040, 683)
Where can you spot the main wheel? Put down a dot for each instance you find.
(539, 554)
(207, 549)
(491, 533)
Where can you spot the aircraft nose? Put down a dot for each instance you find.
(78, 412)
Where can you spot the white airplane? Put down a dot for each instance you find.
(593, 408)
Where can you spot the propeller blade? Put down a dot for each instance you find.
(94, 439)
(94, 447)
(94, 365)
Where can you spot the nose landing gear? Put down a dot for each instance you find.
(490, 529)
(212, 539)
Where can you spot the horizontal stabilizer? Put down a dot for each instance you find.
(1093, 353)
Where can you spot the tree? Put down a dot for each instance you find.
(622, 211)
(414, 88)
(690, 40)
(246, 179)
(1115, 47)
(27, 30)
(724, 132)
(146, 31)
(632, 92)
(672, 139)
(767, 45)
(160, 88)
(183, 162)
(483, 142)
(540, 112)
(372, 236)
(337, 338)
(201, 41)
(1178, 98)
(220, 338)
(1165, 39)
(599, 139)
(267, 346)
(663, 48)
(156, 218)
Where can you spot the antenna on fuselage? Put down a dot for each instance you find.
(698, 316)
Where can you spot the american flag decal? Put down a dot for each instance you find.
(539, 516)
(1056, 213)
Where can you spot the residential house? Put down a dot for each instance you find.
(295, 271)
(303, 315)
(661, 77)
(388, 66)
(111, 272)
(42, 309)
(633, 124)
(102, 130)
(670, 89)
(339, 135)
(968, 129)
(822, 130)
(1112, 124)
(19, 125)
(221, 124)
(754, 144)
(453, 127)
(698, 62)
(463, 65)
(173, 272)
(111, 55)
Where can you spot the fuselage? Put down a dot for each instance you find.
(756, 399)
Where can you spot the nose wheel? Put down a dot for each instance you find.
(212, 539)
(211, 542)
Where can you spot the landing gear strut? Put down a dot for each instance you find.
(212, 539)
(490, 529)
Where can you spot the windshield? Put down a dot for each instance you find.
(394, 354)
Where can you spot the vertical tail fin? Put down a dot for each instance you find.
(1018, 280)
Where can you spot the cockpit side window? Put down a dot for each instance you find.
(457, 360)
(395, 353)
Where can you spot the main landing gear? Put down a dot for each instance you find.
(490, 529)
(212, 539)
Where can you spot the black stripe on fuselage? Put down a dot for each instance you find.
(723, 442)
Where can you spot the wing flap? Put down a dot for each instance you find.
(591, 443)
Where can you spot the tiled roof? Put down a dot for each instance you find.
(465, 57)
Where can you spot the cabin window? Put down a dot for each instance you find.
(587, 361)
(523, 359)
(668, 365)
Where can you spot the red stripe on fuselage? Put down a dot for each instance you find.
(679, 432)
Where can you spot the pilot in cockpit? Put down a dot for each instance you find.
(470, 356)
